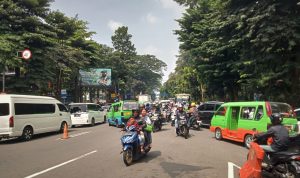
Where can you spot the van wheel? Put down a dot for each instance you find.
(62, 127)
(27, 133)
(93, 122)
(218, 134)
(248, 140)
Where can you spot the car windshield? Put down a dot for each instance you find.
(78, 108)
(130, 105)
(4, 109)
(284, 109)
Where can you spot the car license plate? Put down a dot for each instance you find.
(76, 115)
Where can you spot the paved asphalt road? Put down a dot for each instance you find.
(95, 152)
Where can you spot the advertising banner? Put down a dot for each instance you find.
(96, 77)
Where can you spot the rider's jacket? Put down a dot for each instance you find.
(280, 136)
(180, 113)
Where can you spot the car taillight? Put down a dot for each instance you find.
(297, 158)
(269, 109)
(11, 121)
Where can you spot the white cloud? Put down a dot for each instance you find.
(114, 25)
(151, 18)
(151, 50)
(171, 4)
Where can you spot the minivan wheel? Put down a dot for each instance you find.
(93, 122)
(248, 140)
(218, 134)
(27, 133)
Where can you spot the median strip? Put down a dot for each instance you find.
(62, 164)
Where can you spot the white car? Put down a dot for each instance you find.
(86, 114)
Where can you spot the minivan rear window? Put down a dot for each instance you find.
(282, 108)
(78, 108)
(4, 109)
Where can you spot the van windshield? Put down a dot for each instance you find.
(78, 108)
(4, 109)
(284, 109)
(130, 106)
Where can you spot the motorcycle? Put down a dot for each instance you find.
(285, 164)
(131, 146)
(156, 121)
(194, 123)
(183, 127)
(173, 117)
(168, 115)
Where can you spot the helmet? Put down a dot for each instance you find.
(276, 118)
(179, 105)
(193, 104)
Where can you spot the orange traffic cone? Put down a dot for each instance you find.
(65, 135)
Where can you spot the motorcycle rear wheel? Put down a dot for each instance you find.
(128, 157)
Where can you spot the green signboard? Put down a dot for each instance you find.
(96, 77)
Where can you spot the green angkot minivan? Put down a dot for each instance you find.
(239, 120)
(120, 112)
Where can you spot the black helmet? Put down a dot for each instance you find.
(276, 118)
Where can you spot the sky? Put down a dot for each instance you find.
(150, 22)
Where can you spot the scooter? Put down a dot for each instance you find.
(183, 128)
(156, 121)
(285, 164)
(131, 146)
(194, 122)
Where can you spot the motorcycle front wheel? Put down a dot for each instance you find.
(185, 132)
(128, 157)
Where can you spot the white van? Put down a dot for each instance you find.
(86, 114)
(26, 115)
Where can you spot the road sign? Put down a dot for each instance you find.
(26, 54)
(63, 93)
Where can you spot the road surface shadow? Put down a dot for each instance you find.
(35, 137)
(162, 130)
(230, 141)
(176, 169)
(150, 156)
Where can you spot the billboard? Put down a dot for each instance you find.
(96, 77)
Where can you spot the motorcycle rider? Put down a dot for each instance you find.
(179, 113)
(279, 134)
(147, 121)
(134, 120)
(193, 114)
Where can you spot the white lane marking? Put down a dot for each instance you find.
(59, 165)
(231, 169)
(75, 135)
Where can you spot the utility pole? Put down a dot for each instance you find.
(3, 80)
